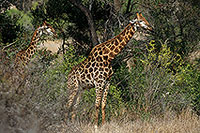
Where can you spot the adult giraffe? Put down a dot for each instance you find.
(96, 70)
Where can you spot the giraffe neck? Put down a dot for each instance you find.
(114, 46)
(25, 55)
(33, 45)
(121, 40)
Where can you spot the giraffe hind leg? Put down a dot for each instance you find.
(72, 103)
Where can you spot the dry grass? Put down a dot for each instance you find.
(186, 122)
(15, 118)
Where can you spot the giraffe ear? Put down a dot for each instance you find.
(143, 18)
(141, 15)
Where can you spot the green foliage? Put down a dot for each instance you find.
(71, 59)
(189, 82)
(157, 82)
(164, 57)
(115, 103)
(24, 20)
(34, 5)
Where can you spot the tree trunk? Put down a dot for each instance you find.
(89, 19)
(128, 6)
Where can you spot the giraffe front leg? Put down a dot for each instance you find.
(97, 103)
(103, 104)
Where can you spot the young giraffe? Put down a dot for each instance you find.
(96, 70)
(24, 56)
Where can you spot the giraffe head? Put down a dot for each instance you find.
(141, 23)
(143, 27)
(46, 29)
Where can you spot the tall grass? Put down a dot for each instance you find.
(170, 122)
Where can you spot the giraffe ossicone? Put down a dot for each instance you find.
(96, 70)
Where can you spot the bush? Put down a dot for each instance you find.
(156, 84)
(189, 81)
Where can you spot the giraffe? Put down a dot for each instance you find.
(24, 56)
(96, 70)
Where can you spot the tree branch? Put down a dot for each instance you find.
(9, 45)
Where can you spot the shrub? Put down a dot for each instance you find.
(189, 82)
(152, 86)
